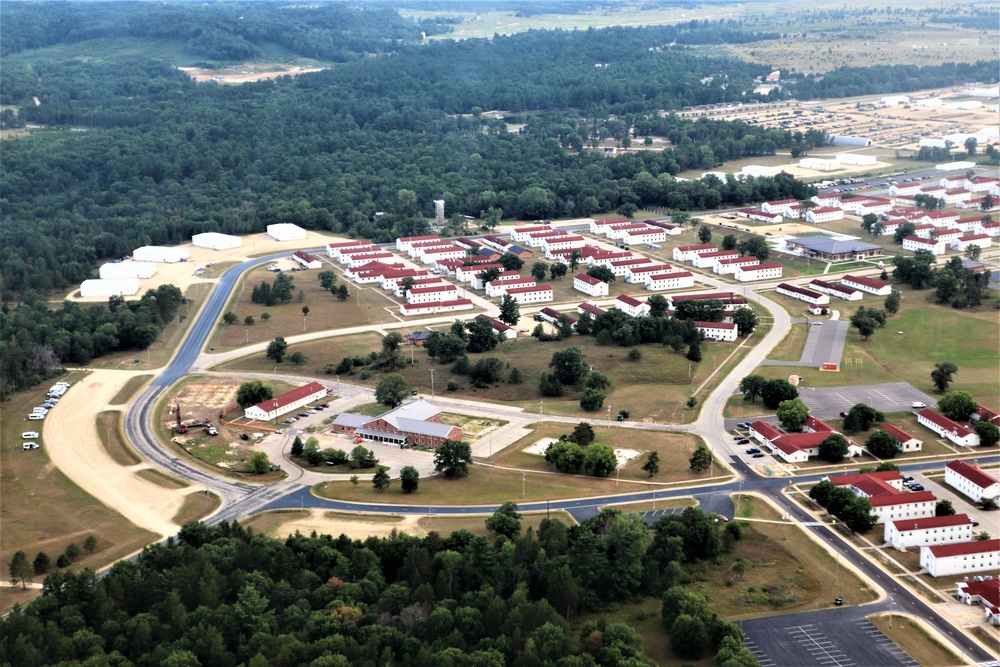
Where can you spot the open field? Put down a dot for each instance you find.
(360, 526)
(197, 506)
(675, 451)
(791, 346)
(130, 389)
(34, 498)
(110, 432)
(245, 72)
(910, 635)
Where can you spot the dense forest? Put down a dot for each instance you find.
(224, 596)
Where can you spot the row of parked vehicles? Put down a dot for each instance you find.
(39, 412)
(743, 440)
(307, 413)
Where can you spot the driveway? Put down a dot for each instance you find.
(824, 344)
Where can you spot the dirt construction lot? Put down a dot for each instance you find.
(70, 434)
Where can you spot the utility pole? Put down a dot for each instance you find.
(524, 476)
(541, 405)
(432, 383)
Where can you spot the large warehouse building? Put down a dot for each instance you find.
(216, 241)
(286, 231)
(111, 287)
(128, 270)
(159, 253)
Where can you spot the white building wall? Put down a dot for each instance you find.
(680, 280)
(751, 274)
(949, 565)
(967, 487)
(155, 253)
(913, 246)
(920, 510)
(599, 289)
(533, 297)
(216, 241)
(416, 296)
(927, 536)
(433, 308)
(103, 288)
(127, 269)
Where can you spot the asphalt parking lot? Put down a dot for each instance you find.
(824, 344)
(832, 638)
(829, 402)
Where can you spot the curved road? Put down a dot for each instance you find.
(241, 499)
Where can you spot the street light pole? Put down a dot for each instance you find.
(432, 383)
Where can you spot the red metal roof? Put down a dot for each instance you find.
(289, 397)
(932, 522)
(705, 295)
(436, 304)
(630, 300)
(671, 274)
(591, 308)
(304, 256)
(973, 474)
(700, 246)
(921, 240)
(535, 288)
(902, 499)
(718, 253)
(590, 280)
(749, 259)
(965, 548)
(766, 431)
(897, 433)
(937, 418)
(868, 282)
(827, 209)
(851, 478)
(447, 287)
(727, 326)
(799, 290)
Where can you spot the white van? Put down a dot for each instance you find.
(39, 410)
(30, 435)
(918, 405)
(36, 417)
(30, 445)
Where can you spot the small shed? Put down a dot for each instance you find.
(286, 231)
(216, 241)
(101, 288)
(159, 253)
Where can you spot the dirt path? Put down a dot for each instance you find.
(75, 448)
(354, 528)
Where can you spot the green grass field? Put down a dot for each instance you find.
(791, 346)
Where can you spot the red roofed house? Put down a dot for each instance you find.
(656, 282)
(824, 214)
(590, 308)
(796, 447)
(884, 491)
(520, 234)
(930, 531)
(273, 408)
(985, 593)
(354, 261)
(980, 240)
(870, 285)
(760, 271)
(533, 294)
(392, 278)
(497, 288)
(946, 428)
(632, 306)
(707, 260)
(637, 274)
(306, 260)
(833, 289)
(564, 242)
(907, 443)
(717, 330)
(961, 558)
(779, 206)
(535, 239)
(803, 294)
(590, 285)
(508, 332)
(726, 266)
(422, 281)
(333, 249)
(442, 292)
(983, 413)
(466, 273)
(646, 235)
(435, 307)
(686, 253)
(505, 277)
(971, 481)
(915, 243)
(405, 243)
(620, 267)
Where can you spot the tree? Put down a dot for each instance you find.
(342, 293)
(298, 357)
(557, 270)
(680, 219)
(453, 458)
(574, 259)
(515, 376)
(902, 231)
(252, 393)
(311, 452)
(90, 544)
(942, 375)
(327, 279)
(391, 357)
(858, 516)
(566, 456)
(882, 445)
(862, 417)
(510, 310)
(248, 320)
(548, 385)
(592, 400)
(486, 372)
(568, 366)
(729, 242)
(538, 270)
(865, 325)
(756, 246)
(868, 222)
(891, 305)
(957, 405)
(973, 252)
(450, 347)
(793, 414)
(259, 463)
(981, 536)
(489, 275)
(635, 354)
(583, 434)
(511, 262)
(652, 464)
(230, 318)
(944, 508)
(694, 352)
(406, 284)
(752, 386)
(777, 390)
(361, 457)
(505, 521)
(658, 305)
(297, 446)
(482, 336)
(305, 311)
(598, 380)
(409, 478)
(380, 480)
(705, 235)
(599, 460)
(688, 637)
(601, 273)
(745, 320)
(276, 350)
(72, 551)
(833, 449)
(20, 570)
(701, 459)
(971, 143)
(989, 434)
(392, 390)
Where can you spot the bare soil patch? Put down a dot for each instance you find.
(245, 72)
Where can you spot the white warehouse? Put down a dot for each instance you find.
(127, 270)
(216, 241)
(110, 287)
(286, 231)
(856, 160)
(159, 253)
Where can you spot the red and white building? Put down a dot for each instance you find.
(915, 243)
(708, 260)
(760, 271)
(436, 254)
(657, 282)
(728, 266)
(632, 306)
(884, 491)
(508, 332)
(990, 228)
(479, 282)
(781, 206)
(646, 235)
(940, 218)
(273, 408)
(984, 592)
(306, 260)
(558, 243)
(605, 257)
(947, 428)
(824, 214)
(498, 288)
(829, 199)
(536, 239)
(870, 285)
(404, 244)
(730, 301)
(971, 481)
(601, 227)
(957, 195)
(904, 189)
(947, 236)
(668, 229)
(924, 230)
(954, 181)
(637, 274)
(796, 447)
(963, 558)
(875, 205)
(978, 240)
(907, 443)
(425, 281)
(466, 274)
(354, 261)
(968, 225)
(443, 292)
(417, 246)
(931, 531)
(833, 289)
(333, 249)
(982, 183)
(520, 234)
(435, 307)
(983, 413)
(803, 294)
(590, 285)
(371, 272)
(619, 230)
(533, 294)
(717, 330)
(590, 308)
(686, 253)
(762, 216)
(392, 278)
(620, 267)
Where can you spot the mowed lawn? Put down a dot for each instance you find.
(674, 449)
(42, 510)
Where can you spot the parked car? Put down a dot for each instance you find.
(916, 487)
(310, 412)
(244, 436)
(30, 445)
(918, 404)
(30, 435)
(753, 450)
(35, 417)
(302, 414)
(290, 420)
(974, 523)
(907, 479)
(759, 455)
(843, 414)
(738, 437)
(744, 441)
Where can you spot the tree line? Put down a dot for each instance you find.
(224, 596)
